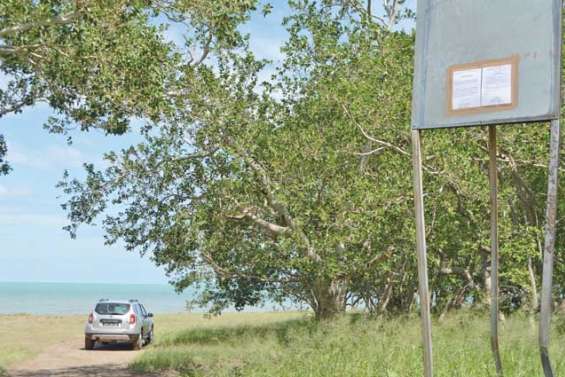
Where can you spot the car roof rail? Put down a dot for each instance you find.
(133, 300)
(104, 299)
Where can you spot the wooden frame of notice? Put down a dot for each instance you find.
(513, 61)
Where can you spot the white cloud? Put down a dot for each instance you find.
(6, 192)
(65, 155)
(54, 156)
(267, 48)
(32, 219)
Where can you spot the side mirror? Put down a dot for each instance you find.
(150, 315)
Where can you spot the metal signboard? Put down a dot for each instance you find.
(486, 62)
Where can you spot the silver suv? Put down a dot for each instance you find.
(119, 321)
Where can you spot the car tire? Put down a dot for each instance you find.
(151, 336)
(88, 343)
(138, 343)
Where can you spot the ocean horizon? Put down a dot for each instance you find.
(79, 298)
(52, 298)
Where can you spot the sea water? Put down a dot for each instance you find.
(79, 298)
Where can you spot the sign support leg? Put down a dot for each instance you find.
(422, 255)
(549, 249)
(494, 249)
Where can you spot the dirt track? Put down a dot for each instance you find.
(69, 359)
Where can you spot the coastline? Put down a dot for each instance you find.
(51, 298)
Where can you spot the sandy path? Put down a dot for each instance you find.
(69, 359)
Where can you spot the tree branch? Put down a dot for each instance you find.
(381, 142)
(459, 271)
(13, 108)
(205, 50)
(249, 214)
(275, 204)
(227, 274)
(381, 257)
(63, 19)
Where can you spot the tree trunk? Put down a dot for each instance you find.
(487, 283)
(385, 298)
(328, 298)
(534, 300)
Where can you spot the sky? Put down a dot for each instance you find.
(33, 245)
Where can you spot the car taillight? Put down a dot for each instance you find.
(90, 318)
(132, 319)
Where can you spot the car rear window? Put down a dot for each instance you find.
(112, 308)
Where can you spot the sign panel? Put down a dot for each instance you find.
(486, 62)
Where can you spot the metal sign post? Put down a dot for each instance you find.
(549, 249)
(507, 71)
(492, 173)
(421, 252)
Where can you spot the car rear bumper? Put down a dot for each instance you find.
(105, 337)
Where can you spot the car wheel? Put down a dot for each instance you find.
(151, 336)
(138, 343)
(88, 343)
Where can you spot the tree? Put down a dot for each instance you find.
(98, 64)
(252, 195)
(301, 190)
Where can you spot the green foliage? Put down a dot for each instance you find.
(351, 346)
(4, 167)
(258, 196)
(99, 64)
(85, 59)
(300, 189)
(560, 323)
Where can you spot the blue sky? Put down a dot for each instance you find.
(33, 245)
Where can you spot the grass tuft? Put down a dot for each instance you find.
(350, 346)
(218, 335)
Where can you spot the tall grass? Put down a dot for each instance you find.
(351, 346)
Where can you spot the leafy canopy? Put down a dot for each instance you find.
(300, 189)
(100, 63)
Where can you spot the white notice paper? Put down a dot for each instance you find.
(497, 85)
(466, 92)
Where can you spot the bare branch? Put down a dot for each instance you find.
(225, 273)
(275, 204)
(381, 257)
(370, 152)
(359, 8)
(368, 137)
(459, 271)
(205, 50)
(13, 108)
(391, 8)
(59, 20)
(382, 142)
(249, 214)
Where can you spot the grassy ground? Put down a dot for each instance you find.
(24, 336)
(291, 344)
(245, 345)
